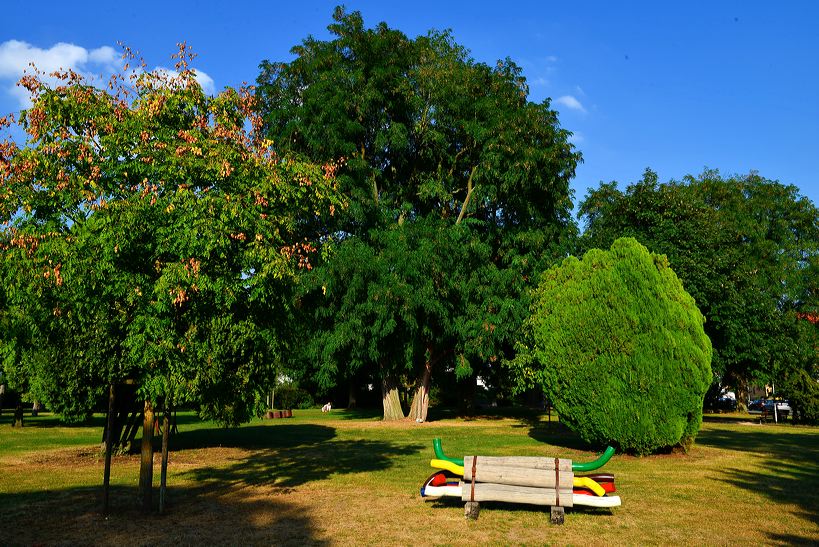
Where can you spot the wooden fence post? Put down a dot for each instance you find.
(166, 427)
(109, 442)
(146, 469)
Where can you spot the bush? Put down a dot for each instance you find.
(803, 391)
(620, 349)
(290, 396)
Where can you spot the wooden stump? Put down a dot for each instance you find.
(557, 514)
(471, 510)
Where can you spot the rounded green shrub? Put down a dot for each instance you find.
(802, 388)
(620, 349)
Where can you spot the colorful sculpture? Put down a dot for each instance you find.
(538, 481)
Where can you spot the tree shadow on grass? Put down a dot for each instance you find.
(288, 456)
(788, 464)
(453, 502)
(484, 413)
(201, 515)
(791, 539)
(48, 420)
(552, 432)
(242, 501)
(356, 413)
(254, 436)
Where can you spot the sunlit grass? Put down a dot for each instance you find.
(347, 478)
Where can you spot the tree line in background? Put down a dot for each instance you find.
(747, 249)
(373, 218)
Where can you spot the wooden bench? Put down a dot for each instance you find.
(768, 415)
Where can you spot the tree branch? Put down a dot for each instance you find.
(469, 190)
(455, 160)
(375, 186)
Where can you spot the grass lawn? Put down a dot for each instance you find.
(347, 478)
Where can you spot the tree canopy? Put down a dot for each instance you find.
(150, 234)
(458, 190)
(745, 247)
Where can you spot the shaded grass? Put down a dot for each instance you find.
(346, 478)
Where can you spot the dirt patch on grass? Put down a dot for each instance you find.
(68, 457)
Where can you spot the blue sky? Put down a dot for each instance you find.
(732, 85)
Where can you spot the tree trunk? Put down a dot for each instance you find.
(2, 392)
(18, 416)
(35, 408)
(351, 399)
(466, 391)
(741, 394)
(420, 400)
(109, 443)
(146, 469)
(166, 427)
(390, 399)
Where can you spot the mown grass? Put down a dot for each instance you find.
(347, 478)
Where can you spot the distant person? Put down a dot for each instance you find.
(327, 407)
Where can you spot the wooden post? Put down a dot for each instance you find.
(166, 427)
(109, 442)
(146, 469)
(557, 514)
(471, 510)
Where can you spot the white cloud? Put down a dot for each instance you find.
(17, 56)
(551, 59)
(208, 86)
(577, 137)
(104, 55)
(570, 102)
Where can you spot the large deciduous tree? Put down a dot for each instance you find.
(458, 189)
(150, 235)
(745, 247)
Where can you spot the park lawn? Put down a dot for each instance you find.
(347, 478)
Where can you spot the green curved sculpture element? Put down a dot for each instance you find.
(581, 467)
(596, 464)
(439, 453)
